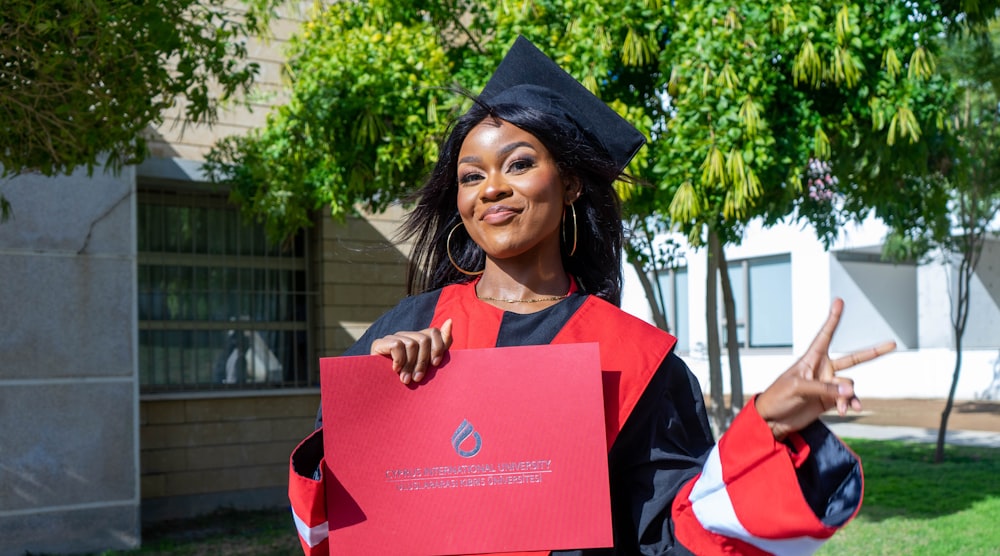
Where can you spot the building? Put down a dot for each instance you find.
(158, 357)
(784, 281)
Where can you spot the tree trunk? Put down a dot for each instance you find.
(641, 241)
(661, 300)
(971, 249)
(732, 342)
(656, 304)
(943, 429)
(718, 413)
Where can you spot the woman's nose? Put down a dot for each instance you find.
(494, 187)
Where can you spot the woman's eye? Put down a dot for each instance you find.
(521, 165)
(469, 178)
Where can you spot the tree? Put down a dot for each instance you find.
(967, 167)
(370, 99)
(755, 92)
(761, 94)
(81, 80)
(651, 250)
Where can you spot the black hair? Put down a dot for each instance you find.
(596, 264)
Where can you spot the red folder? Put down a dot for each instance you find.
(497, 450)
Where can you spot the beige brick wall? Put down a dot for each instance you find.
(358, 273)
(174, 139)
(192, 449)
(201, 452)
(361, 273)
(204, 452)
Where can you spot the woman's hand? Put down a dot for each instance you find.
(811, 386)
(413, 353)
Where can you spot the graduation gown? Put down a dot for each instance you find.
(673, 489)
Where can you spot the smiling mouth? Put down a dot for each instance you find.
(499, 212)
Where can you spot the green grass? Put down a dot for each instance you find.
(246, 533)
(912, 506)
(226, 532)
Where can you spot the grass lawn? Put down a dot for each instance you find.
(911, 507)
(245, 533)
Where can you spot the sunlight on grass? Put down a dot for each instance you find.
(913, 506)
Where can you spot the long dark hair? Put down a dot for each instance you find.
(596, 264)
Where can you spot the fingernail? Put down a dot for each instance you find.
(418, 376)
(843, 389)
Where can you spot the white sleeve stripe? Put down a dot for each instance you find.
(714, 510)
(311, 535)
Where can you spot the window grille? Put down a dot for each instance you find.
(220, 307)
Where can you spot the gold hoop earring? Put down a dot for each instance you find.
(447, 248)
(573, 212)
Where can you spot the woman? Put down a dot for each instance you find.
(517, 242)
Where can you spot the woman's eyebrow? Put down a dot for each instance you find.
(507, 149)
(504, 151)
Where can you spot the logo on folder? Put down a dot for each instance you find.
(461, 434)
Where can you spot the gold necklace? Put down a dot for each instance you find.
(537, 300)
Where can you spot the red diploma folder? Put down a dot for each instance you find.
(497, 450)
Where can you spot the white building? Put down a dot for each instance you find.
(784, 281)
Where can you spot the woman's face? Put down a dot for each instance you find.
(511, 195)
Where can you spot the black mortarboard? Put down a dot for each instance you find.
(527, 77)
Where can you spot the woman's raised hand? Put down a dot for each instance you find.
(413, 353)
(811, 386)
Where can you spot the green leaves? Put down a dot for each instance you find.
(84, 81)
(685, 205)
(807, 67)
(890, 62)
(921, 64)
(738, 100)
(362, 125)
(638, 49)
(903, 124)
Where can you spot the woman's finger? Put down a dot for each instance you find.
(430, 347)
(826, 394)
(821, 343)
(418, 353)
(402, 349)
(861, 356)
(814, 362)
(446, 333)
(413, 352)
(440, 341)
(845, 395)
(391, 347)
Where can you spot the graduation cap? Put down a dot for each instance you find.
(527, 77)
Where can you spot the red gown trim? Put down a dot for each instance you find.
(639, 347)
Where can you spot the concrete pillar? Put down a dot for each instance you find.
(69, 460)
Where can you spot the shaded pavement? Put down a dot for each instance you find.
(971, 422)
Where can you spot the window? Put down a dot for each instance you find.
(762, 293)
(220, 307)
(674, 288)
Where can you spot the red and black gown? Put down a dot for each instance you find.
(673, 489)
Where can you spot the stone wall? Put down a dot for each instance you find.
(68, 386)
(201, 453)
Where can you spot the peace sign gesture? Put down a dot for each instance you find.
(811, 386)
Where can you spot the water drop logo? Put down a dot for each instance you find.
(464, 431)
